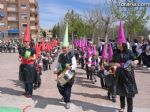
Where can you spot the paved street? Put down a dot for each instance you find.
(86, 97)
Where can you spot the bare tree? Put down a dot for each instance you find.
(101, 19)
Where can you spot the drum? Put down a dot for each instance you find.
(65, 76)
(128, 66)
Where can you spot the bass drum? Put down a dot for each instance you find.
(65, 76)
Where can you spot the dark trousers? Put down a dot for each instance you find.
(29, 88)
(92, 74)
(112, 86)
(88, 73)
(140, 59)
(82, 63)
(112, 91)
(129, 103)
(14, 50)
(148, 60)
(0, 49)
(65, 91)
(102, 80)
(45, 64)
(144, 58)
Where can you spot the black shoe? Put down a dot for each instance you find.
(93, 82)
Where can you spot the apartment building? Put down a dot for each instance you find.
(15, 15)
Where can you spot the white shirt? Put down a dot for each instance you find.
(90, 61)
(148, 50)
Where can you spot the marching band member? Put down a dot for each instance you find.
(102, 68)
(67, 61)
(125, 80)
(93, 65)
(112, 78)
(88, 55)
(27, 58)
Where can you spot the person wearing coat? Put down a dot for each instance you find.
(125, 80)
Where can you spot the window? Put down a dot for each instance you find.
(1, 6)
(23, 6)
(2, 24)
(24, 25)
(24, 16)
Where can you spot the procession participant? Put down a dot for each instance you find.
(111, 83)
(66, 61)
(134, 45)
(148, 55)
(38, 67)
(93, 65)
(27, 68)
(103, 67)
(139, 50)
(123, 61)
(82, 57)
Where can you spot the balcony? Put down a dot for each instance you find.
(33, 2)
(33, 28)
(12, 19)
(32, 19)
(33, 10)
(12, 9)
(12, 1)
(1, 6)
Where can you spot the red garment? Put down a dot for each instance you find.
(26, 61)
(27, 35)
(47, 47)
(38, 52)
(58, 42)
(43, 46)
(50, 46)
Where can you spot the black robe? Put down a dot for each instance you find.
(27, 71)
(125, 80)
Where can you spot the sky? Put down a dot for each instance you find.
(52, 11)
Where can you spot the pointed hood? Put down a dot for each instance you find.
(104, 53)
(88, 52)
(110, 54)
(38, 52)
(94, 50)
(121, 36)
(43, 45)
(80, 43)
(27, 34)
(65, 39)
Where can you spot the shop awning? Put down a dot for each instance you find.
(13, 31)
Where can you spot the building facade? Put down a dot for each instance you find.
(15, 15)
